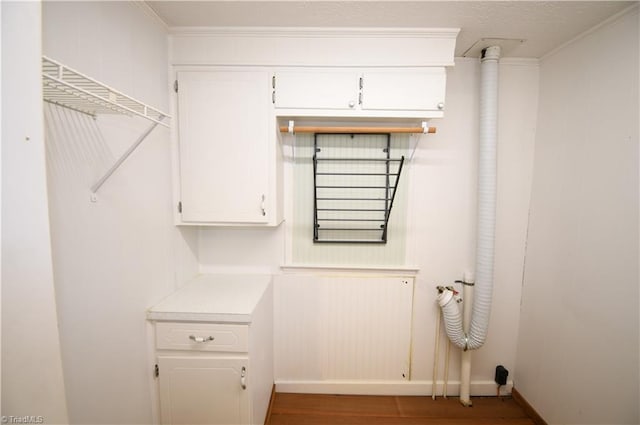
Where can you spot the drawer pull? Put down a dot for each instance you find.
(243, 379)
(200, 339)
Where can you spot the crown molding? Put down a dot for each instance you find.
(148, 10)
(316, 32)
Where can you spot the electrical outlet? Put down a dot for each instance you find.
(501, 375)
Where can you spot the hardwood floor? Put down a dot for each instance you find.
(320, 409)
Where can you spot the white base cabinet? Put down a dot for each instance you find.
(204, 390)
(213, 351)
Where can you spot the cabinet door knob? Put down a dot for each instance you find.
(352, 104)
(243, 378)
(200, 339)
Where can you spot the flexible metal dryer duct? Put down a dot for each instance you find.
(483, 291)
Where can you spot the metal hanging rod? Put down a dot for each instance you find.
(356, 174)
(350, 187)
(356, 130)
(353, 209)
(358, 241)
(352, 219)
(353, 199)
(367, 229)
(360, 159)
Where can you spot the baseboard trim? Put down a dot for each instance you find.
(528, 409)
(400, 388)
(267, 419)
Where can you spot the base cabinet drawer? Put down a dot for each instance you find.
(204, 390)
(202, 337)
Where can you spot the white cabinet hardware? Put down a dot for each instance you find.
(243, 378)
(201, 339)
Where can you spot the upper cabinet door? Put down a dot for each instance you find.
(403, 90)
(317, 89)
(400, 92)
(225, 130)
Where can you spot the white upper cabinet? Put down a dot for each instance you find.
(361, 92)
(398, 90)
(235, 84)
(317, 89)
(226, 147)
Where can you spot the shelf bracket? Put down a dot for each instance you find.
(125, 155)
(425, 130)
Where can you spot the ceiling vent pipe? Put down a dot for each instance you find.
(464, 335)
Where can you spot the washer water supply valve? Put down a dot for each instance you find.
(456, 293)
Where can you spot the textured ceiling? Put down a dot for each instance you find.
(543, 25)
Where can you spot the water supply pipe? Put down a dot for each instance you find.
(446, 370)
(468, 283)
(434, 383)
(474, 336)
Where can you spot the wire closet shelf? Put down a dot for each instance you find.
(71, 89)
(68, 88)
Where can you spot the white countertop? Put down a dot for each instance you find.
(213, 298)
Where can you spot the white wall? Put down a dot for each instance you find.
(114, 258)
(578, 337)
(0, 218)
(441, 229)
(118, 256)
(32, 381)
